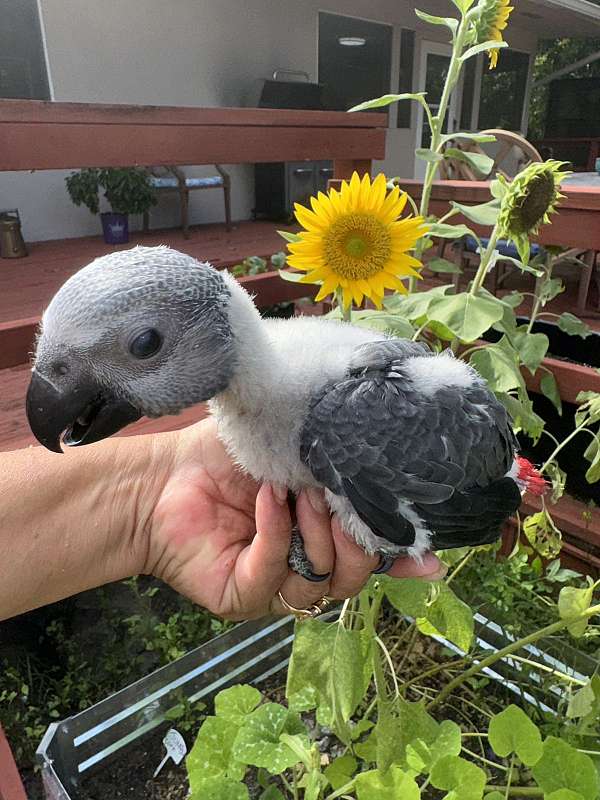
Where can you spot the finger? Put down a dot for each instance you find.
(314, 521)
(353, 566)
(430, 568)
(262, 566)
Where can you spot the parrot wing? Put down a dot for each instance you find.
(399, 454)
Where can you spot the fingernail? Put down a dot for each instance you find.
(280, 493)
(316, 497)
(437, 575)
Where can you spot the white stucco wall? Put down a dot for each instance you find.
(189, 52)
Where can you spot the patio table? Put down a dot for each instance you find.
(583, 179)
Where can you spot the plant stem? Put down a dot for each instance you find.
(485, 760)
(458, 568)
(510, 774)
(347, 787)
(509, 649)
(484, 263)
(436, 124)
(520, 791)
(566, 441)
(433, 671)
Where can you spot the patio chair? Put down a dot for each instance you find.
(512, 145)
(173, 179)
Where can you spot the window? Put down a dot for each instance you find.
(22, 64)
(503, 92)
(354, 60)
(405, 84)
(468, 94)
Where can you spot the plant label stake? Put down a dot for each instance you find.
(176, 749)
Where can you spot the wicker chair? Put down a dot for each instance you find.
(173, 179)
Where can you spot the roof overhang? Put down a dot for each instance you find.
(550, 18)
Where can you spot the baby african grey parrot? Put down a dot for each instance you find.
(415, 453)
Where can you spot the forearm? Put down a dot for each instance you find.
(75, 521)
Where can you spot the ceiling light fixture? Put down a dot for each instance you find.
(352, 41)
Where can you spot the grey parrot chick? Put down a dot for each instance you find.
(413, 450)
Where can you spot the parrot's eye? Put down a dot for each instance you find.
(146, 344)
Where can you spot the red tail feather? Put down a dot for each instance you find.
(534, 481)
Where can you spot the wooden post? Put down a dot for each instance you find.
(11, 786)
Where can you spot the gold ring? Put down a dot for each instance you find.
(306, 613)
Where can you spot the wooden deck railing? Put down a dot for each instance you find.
(40, 135)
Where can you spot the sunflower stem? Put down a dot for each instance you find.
(436, 124)
(484, 263)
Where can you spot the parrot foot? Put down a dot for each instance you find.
(299, 562)
(386, 562)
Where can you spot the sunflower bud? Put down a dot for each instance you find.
(528, 202)
(491, 20)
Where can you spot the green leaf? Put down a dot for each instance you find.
(482, 138)
(428, 155)
(466, 316)
(385, 321)
(589, 410)
(450, 617)
(551, 289)
(495, 796)
(258, 742)
(388, 99)
(294, 277)
(444, 231)
(398, 725)
(219, 788)
(522, 414)
(511, 731)
(582, 702)
(563, 767)
(442, 265)
(532, 347)
(340, 771)
(572, 325)
(482, 214)
(212, 753)
(542, 534)
(550, 390)
(481, 48)
(460, 778)
(336, 663)
(422, 756)
(414, 306)
(479, 161)
(289, 236)
(571, 603)
(271, 793)
(408, 596)
(592, 454)
(237, 702)
(448, 22)
(463, 5)
(394, 784)
(563, 794)
(495, 365)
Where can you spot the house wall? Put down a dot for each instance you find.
(190, 52)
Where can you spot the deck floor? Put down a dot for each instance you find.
(27, 284)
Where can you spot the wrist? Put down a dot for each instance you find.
(147, 464)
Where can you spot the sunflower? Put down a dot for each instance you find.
(493, 19)
(354, 242)
(528, 201)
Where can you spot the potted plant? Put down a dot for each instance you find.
(127, 190)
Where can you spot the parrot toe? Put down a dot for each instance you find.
(300, 563)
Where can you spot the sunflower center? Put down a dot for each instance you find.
(538, 199)
(357, 246)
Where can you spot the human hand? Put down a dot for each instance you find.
(222, 540)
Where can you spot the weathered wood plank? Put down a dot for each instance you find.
(37, 111)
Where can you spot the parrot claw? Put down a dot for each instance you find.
(300, 563)
(386, 562)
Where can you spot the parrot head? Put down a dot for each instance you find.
(141, 332)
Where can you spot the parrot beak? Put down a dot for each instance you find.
(80, 415)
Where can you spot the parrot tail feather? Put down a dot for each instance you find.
(529, 478)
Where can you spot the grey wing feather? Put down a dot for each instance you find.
(374, 438)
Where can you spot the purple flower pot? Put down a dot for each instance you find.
(115, 228)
